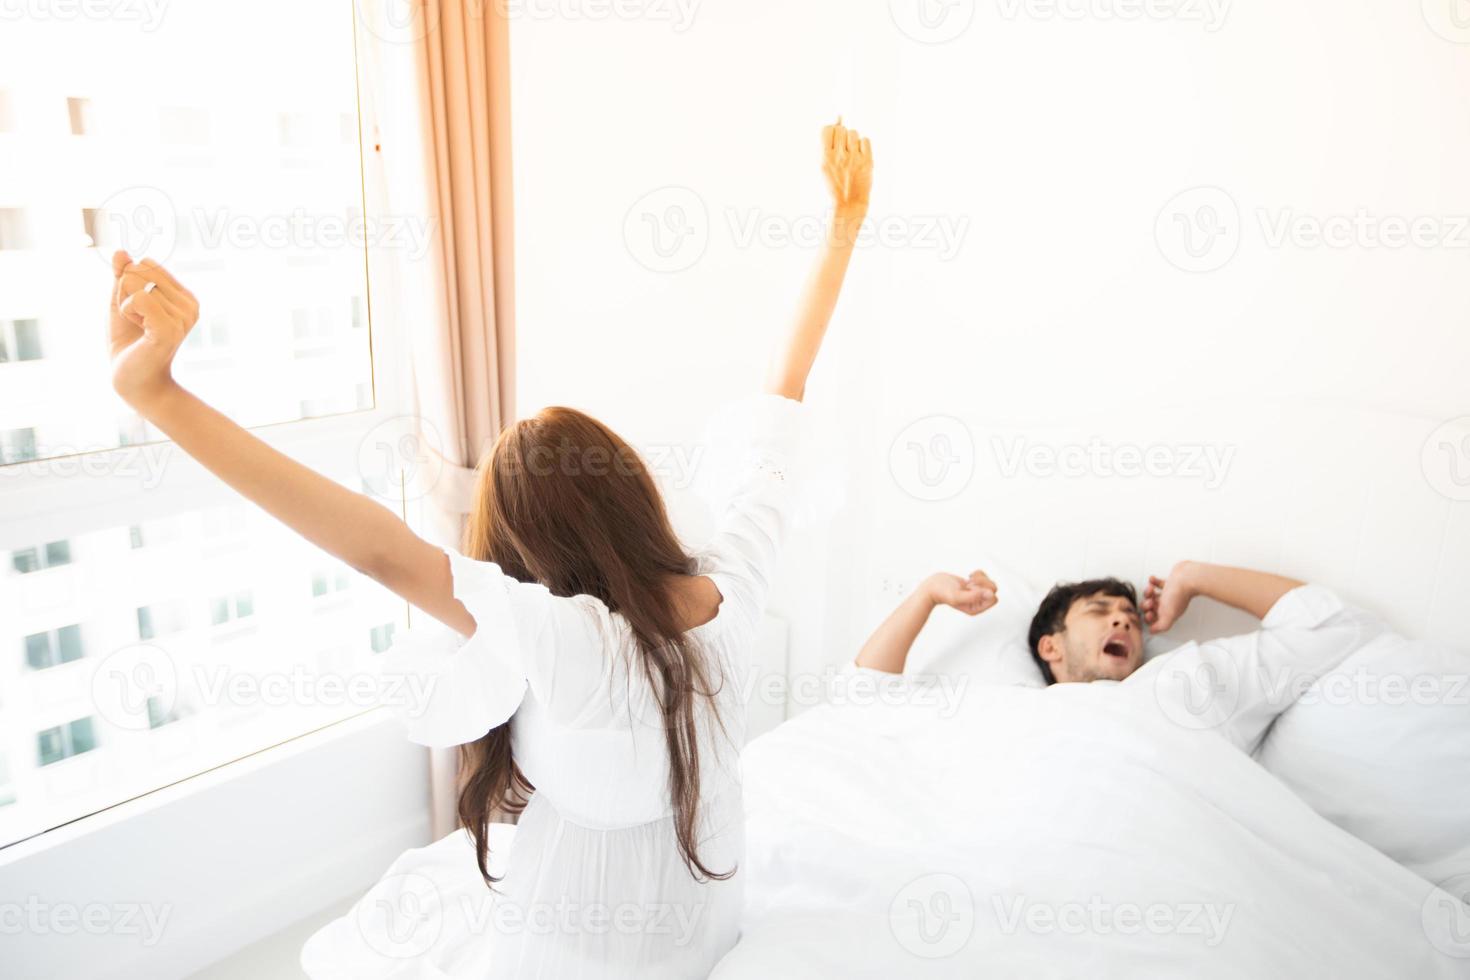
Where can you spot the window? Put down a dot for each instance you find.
(50, 555)
(382, 637)
(323, 583)
(7, 788)
(17, 445)
(186, 125)
(14, 230)
(204, 582)
(54, 647)
(20, 340)
(79, 114)
(159, 714)
(223, 609)
(92, 228)
(65, 741)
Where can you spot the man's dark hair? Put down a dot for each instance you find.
(1051, 617)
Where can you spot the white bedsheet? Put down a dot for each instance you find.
(1065, 832)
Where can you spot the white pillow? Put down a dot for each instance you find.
(1381, 747)
(986, 649)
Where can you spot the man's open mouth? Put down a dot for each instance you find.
(1116, 648)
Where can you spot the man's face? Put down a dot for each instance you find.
(1102, 640)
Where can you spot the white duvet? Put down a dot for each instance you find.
(1066, 832)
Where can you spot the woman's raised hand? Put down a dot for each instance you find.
(848, 165)
(151, 315)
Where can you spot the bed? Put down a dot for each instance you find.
(1059, 832)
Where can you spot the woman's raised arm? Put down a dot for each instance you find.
(848, 165)
(151, 315)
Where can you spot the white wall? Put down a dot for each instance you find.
(1059, 145)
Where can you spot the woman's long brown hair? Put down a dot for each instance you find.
(563, 501)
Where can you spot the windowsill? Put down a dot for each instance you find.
(140, 805)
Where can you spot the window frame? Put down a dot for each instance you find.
(46, 502)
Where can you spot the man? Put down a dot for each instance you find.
(1093, 631)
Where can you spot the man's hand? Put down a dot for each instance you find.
(971, 596)
(151, 315)
(848, 164)
(1166, 599)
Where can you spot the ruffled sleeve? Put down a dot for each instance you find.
(452, 690)
(761, 499)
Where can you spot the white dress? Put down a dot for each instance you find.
(593, 885)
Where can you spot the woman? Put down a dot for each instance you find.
(595, 691)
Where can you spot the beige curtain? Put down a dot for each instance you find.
(464, 360)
